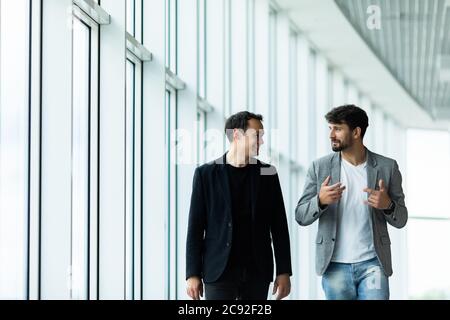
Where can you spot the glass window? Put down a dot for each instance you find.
(321, 102)
(131, 17)
(293, 93)
(133, 176)
(129, 176)
(428, 225)
(330, 91)
(171, 153)
(239, 58)
(421, 144)
(171, 35)
(201, 79)
(201, 138)
(352, 95)
(14, 118)
(304, 126)
(346, 91)
(133, 158)
(338, 90)
(171, 221)
(272, 119)
(227, 59)
(428, 258)
(215, 54)
(134, 18)
(312, 76)
(378, 125)
(84, 155)
(80, 158)
(202, 60)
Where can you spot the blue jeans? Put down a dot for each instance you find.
(356, 281)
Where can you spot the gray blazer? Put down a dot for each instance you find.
(308, 210)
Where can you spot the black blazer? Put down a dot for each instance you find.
(210, 224)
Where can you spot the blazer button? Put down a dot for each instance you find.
(230, 224)
(228, 244)
(332, 239)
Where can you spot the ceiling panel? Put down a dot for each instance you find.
(413, 43)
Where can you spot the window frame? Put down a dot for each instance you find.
(133, 223)
(91, 285)
(171, 194)
(136, 55)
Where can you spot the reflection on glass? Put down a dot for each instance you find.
(80, 160)
(13, 148)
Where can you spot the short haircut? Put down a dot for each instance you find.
(351, 115)
(239, 121)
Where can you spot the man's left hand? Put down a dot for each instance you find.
(282, 284)
(378, 199)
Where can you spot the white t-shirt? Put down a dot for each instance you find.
(354, 238)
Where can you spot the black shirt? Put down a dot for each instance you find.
(241, 255)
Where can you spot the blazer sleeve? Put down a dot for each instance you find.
(280, 232)
(196, 228)
(308, 210)
(399, 216)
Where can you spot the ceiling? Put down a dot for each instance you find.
(412, 43)
(406, 83)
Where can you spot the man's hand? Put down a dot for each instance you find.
(194, 288)
(378, 199)
(330, 194)
(282, 284)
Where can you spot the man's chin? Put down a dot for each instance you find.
(337, 149)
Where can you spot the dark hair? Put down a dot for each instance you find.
(351, 115)
(239, 121)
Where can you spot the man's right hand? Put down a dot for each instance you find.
(195, 288)
(330, 194)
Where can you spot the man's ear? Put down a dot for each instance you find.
(357, 132)
(237, 134)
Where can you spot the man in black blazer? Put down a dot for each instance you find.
(237, 212)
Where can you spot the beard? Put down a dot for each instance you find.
(338, 145)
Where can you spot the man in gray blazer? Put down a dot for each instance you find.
(353, 193)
